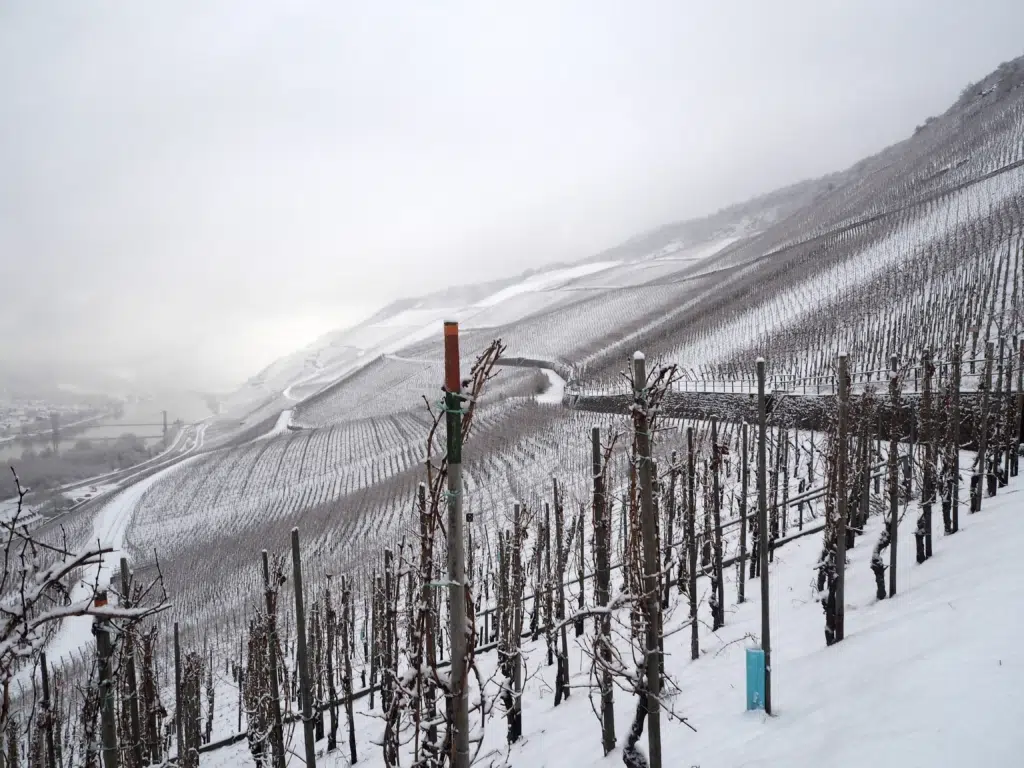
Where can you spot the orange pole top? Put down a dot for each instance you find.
(452, 378)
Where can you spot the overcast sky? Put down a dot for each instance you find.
(190, 189)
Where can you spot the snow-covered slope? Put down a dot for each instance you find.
(305, 373)
(929, 678)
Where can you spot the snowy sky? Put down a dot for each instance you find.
(191, 188)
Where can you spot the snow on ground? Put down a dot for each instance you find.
(544, 281)
(930, 678)
(87, 492)
(677, 252)
(556, 388)
(279, 428)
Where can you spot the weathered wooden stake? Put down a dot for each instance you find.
(305, 688)
(742, 572)
(346, 654)
(650, 554)
(762, 512)
(602, 579)
(691, 540)
(843, 486)
(48, 713)
(978, 480)
(718, 619)
(894, 490)
(129, 672)
(277, 729)
(179, 725)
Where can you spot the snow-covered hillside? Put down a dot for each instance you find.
(341, 353)
(929, 678)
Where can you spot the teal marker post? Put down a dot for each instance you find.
(755, 679)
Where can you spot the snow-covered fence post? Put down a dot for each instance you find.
(277, 728)
(718, 581)
(894, 498)
(388, 661)
(191, 691)
(641, 419)
(549, 608)
(346, 655)
(456, 554)
(129, 680)
(842, 457)
(762, 516)
(581, 562)
(691, 540)
(562, 546)
(773, 494)
(1018, 421)
(47, 713)
(670, 527)
(305, 688)
(513, 656)
(784, 479)
(741, 572)
(981, 460)
(331, 619)
(951, 460)
(923, 532)
(151, 697)
(178, 727)
(602, 578)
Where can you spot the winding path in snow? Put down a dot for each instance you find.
(555, 391)
(109, 529)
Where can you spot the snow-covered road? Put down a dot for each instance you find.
(556, 388)
(109, 529)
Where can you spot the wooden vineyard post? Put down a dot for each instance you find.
(179, 726)
(718, 617)
(978, 481)
(517, 580)
(923, 534)
(346, 654)
(784, 479)
(843, 486)
(277, 728)
(581, 562)
(387, 677)
(305, 688)
(762, 525)
(602, 589)
(129, 672)
(953, 494)
(331, 621)
(670, 527)
(427, 619)
(456, 554)
(650, 557)
(561, 553)
(48, 714)
(894, 491)
(1018, 422)
(878, 451)
(549, 605)
(108, 723)
(742, 573)
(691, 541)
(1006, 408)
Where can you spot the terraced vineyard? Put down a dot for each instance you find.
(920, 247)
